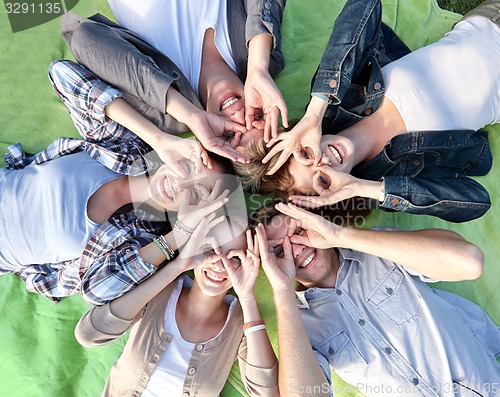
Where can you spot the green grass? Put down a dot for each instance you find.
(459, 6)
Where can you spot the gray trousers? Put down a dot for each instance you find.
(489, 9)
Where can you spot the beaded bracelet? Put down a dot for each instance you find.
(253, 329)
(167, 247)
(164, 247)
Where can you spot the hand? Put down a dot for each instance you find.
(319, 232)
(262, 95)
(279, 270)
(341, 186)
(172, 150)
(243, 267)
(210, 128)
(208, 202)
(303, 141)
(192, 253)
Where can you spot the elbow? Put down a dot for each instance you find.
(473, 262)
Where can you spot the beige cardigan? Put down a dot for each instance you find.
(209, 365)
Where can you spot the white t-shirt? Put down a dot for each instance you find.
(167, 379)
(451, 84)
(177, 28)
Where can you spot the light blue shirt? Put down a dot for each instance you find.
(43, 210)
(388, 333)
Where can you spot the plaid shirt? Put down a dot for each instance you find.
(110, 264)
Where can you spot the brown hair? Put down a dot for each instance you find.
(253, 176)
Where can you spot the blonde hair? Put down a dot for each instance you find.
(253, 176)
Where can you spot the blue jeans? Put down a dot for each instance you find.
(425, 172)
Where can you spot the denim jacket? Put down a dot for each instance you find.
(425, 172)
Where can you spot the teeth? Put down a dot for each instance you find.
(336, 154)
(168, 190)
(308, 260)
(214, 277)
(228, 102)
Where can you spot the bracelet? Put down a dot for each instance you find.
(161, 243)
(252, 323)
(181, 227)
(254, 328)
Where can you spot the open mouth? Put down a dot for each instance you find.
(228, 101)
(337, 154)
(307, 262)
(214, 277)
(167, 190)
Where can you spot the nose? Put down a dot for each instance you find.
(238, 116)
(217, 266)
(325, 160)
(297, 250)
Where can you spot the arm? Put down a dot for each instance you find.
(435, 253)
(258, 364)
(165, 89)
(297, 364)
(261, 93)
(122, 254)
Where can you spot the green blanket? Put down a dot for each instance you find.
(39, 356)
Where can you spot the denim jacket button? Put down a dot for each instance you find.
(377, 86)
(333, 83)
(417, 162)
(368, 111)
(395, 201)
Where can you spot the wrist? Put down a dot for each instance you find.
(317, 107)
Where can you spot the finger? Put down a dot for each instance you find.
(267, 128)
(284, 112)
(236, 253)
(183, 197)
(296, 239)
(318, 155)
(236, 139)
(249, 115)
(287, 249)
(282, 159)
(280, 146)
(215, 190)
(293, 225)
(273, 121)
(256, 246)
(259, 124)
(178, 170)
(274, 242)
(279, 138)
(231, 269)
(204, 193)
(291, 210)
(231, 154)
(260, 234)
(233, 126)
(212, 242)
(249, 240)
(307, 202)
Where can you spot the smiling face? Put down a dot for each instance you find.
(165, 188)
(314, 267)
(336, 153)
(211, 276)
